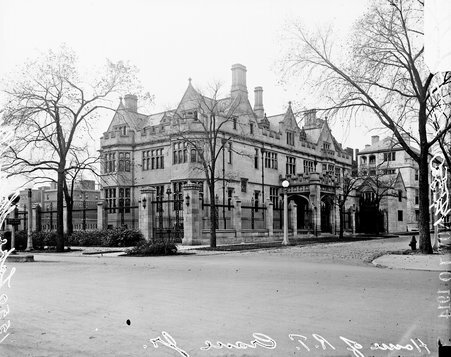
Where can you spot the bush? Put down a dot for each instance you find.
(43, 239)
(90, 238)
(118, 237)
(153, 248)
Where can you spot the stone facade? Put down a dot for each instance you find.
(140, 151)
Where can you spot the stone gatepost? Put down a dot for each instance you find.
(192, 216)
(294, 218)
(102, 215)
(64, 218)
(315, 199)
(353, 220)
(146, 213)
(269, 218)
(236, 216)
(36, 217)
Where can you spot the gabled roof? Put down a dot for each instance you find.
(135, 121)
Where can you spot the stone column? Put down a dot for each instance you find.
(36, 217)
(315, 200)
(192, 216)
(270, 218)
(102, 216)
(146, 213)
(294, 218)
(237, 216)
(65, 217)
(353, 220)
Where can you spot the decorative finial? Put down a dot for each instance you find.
(189, 80)
(120, 99)
(289, 103)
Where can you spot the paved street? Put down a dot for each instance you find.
(65, 305)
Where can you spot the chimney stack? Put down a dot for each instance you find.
(310, 118)
(374, 139)
(258, 104)
(367, 146)
(131, 102)
(238, 80)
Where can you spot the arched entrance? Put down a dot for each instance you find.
(327, 209)
(304, 212)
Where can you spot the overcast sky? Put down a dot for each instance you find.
(173, 40)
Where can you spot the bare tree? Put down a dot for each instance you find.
(346, 186)
(50, 107)
(208, 133)
(383, 73)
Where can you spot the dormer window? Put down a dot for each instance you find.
(326, 146)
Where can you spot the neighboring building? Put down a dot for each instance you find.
(85, 197)
(141, 150)
(388, 161)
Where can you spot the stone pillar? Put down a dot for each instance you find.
(315, 200)
(192, 216)
(294, 218)
(146, 213)
(36, 217)
(353, 220)
(337, 219)
(65, 217)
(237, 223)
(269, 218)
(102, 216)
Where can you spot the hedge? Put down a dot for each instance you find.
(118, 237)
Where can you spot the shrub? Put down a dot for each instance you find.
(118, 237)
(43, 239)
(153, 248)
(89, 238)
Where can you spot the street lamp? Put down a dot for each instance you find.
(285, 185)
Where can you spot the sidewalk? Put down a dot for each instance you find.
(432, 262)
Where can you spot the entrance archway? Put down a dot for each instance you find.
(304, 213)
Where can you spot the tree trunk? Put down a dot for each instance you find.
(341, 208)
(424, 189)
(424, 219)
(212, 215)
(70, 208)
(59, 211)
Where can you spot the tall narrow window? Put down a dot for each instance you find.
(290, 138)
(274, 196)
(234, 123)
(229, 161)
(291, 165)
(251, 128)
(256, 159)
(243, 185)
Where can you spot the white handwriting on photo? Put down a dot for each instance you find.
(304, 343)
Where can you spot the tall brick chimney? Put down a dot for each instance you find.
(374, 139)
(258, 104)
(131, 102)
(238, 80)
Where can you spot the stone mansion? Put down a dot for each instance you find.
(139, 151)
